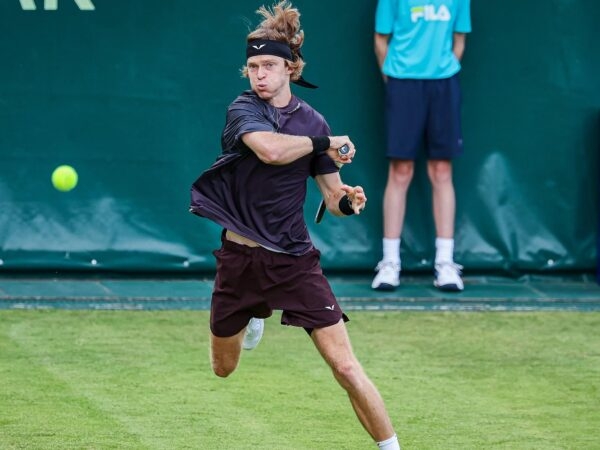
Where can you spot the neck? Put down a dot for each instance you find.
(282, 99)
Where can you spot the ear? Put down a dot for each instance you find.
(288, 68)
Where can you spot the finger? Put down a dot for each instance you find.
(349, 190)
(358, 207)
(358, 194)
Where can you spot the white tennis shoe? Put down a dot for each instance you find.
(447, 277)
(254, 332)
(388, 276)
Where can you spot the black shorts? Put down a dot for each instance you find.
(253, 281)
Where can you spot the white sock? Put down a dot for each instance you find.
(444, 250)
(391, 250)
(389, 444)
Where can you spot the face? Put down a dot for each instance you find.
(270, 78)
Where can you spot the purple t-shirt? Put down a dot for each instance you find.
(263, 202)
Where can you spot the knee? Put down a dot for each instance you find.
(401, 172)
(222, 372)
(349, 374)
(223, 369)
(440, 172)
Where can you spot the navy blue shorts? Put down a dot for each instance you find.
(423, 114)
(253, 281)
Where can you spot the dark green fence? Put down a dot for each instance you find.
(133, 95)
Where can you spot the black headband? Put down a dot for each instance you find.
(265, 47)
(257, 47)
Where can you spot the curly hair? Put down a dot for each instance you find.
(281, 23)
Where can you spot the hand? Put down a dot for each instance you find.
(339, 141)
(357, 197)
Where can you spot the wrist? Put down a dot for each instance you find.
(320, 144)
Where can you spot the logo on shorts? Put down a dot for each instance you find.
(429, 14)
(331, 308)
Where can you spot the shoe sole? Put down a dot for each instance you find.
(385, 287)
(449, 288)
(251, 346)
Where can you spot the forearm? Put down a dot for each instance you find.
(279, 149)
(381, 48)
(458, 45)
(333, 202)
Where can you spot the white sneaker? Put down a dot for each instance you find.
(254, 332)
(388, 276)
(447, 277)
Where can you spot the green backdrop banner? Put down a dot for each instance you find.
(133, 95)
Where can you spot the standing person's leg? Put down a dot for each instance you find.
(334, 345)
(405, 116)
(444, 201)
(447, 272)
(400, 174)
(444, 142)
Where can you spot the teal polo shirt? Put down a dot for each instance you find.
(422, 32)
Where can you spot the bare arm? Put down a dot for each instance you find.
(381, 48)
(333, 189)
(279, 149)
(458, 45)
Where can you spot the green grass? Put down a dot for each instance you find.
(142, 380)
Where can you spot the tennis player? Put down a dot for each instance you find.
(272, 143)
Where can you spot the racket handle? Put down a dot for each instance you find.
(320, 212)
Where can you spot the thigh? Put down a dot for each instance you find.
(225, 351)
(333, 344)
(406, 115)
(299, 288)
(444, 134)
(236, 297)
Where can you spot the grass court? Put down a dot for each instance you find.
(142, 380)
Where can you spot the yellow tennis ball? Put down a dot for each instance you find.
(64, 178)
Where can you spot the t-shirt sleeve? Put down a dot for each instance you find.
(243, 117)
(322, 165)
(463, 17)
(384, 16)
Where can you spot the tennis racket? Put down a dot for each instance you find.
(343, 150)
